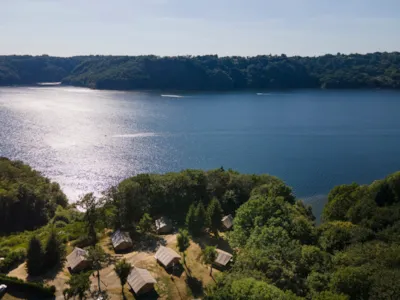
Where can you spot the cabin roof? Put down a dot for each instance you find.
(162, 222)
(227, 221)
(76, 257)
(119, 237)
(223, 257)
(138, 278)
(166, 255)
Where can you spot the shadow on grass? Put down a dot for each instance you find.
(148, 243)
(196, 286)
(146, 296)
(176, 270)
(23, 295)
(210, 240)
(51, 274)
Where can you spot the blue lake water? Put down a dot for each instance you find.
(88, 140)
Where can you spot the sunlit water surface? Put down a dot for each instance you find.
(88, 140)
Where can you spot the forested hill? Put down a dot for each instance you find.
(210, 72)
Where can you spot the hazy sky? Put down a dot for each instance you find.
(224, 27)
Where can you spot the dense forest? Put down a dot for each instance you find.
(209, 72)
(279, 250)
(27, 199)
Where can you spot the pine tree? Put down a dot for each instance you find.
(54, 251)
(200, 217)
(34, 262)
(183, 242)
(214, 215)
(191, 219)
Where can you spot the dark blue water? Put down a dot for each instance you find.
(88, 140)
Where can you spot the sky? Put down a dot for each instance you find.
(195, 27)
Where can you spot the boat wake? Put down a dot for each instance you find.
(172, 96)
(136, 135)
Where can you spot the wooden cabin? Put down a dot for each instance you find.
(141, 281)
(167, 257)
(121, 240)
(77, 261)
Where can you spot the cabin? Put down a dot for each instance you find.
(163, 225)
(167, 257)
(227, 222)
(77, 261)
(223, 258)
(121, 240)
(141, 281)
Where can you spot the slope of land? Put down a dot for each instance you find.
(209, 72)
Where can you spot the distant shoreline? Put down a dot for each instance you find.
(207, 73)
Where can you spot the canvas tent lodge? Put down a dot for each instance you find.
(223, 258)
(77, 260)
(121, 240)
(141, 281)
(163, 225)
(167, 257)
(227, 222)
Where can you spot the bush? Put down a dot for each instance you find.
(83, 241)
(12, 260)
(38, 289)
(60, 224)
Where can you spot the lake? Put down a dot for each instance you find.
(88, 140)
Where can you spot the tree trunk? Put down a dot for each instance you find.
(98, 279)
(211, 270)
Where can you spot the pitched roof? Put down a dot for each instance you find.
(227, 221)
(119, 237)
(166, 255)
(223, 257)
(76, 257)
(162, 222)
(138, 278)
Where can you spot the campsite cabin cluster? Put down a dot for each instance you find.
(140, 280)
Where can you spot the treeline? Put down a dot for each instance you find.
(172, 194)
(209, 72)
(27, 199)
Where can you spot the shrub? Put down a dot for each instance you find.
(12, 260)
(38, 289)
(60, 224)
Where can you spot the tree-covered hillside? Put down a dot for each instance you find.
(27, 199)
(354, 254)
(209, 72)
(278, 250)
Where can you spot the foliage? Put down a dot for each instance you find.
(123, 269)
(209, 254)
(79, 285)
(35, 289)
(92, 216)
(27, 199)
(214, 215)
(98, 259)
(196, 219)
(183, 242)
(12, 260)
(146, 223)
(34, 262)
(207, 72)
(54, 252)
(231, 287)
(172, 194)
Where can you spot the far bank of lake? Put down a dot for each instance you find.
(88, 139)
